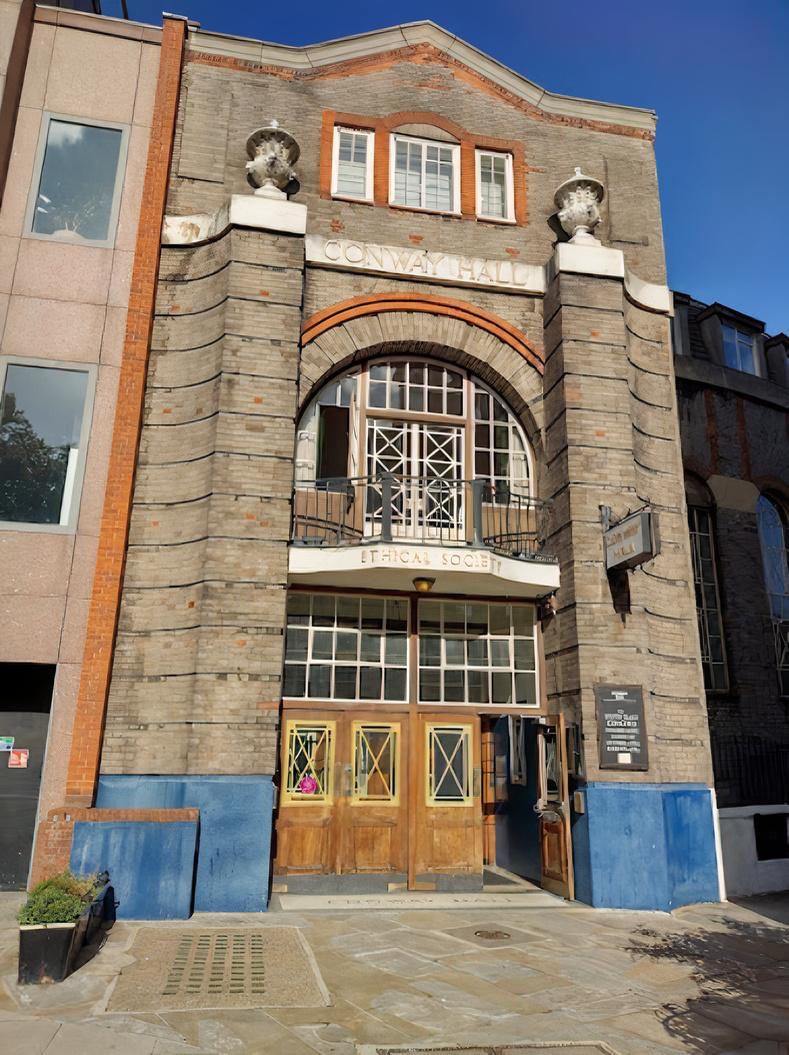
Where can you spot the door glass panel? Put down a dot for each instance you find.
(310, 760)
(375, 760)
(448, 764)
(550, 766)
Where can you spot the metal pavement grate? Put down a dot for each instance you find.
(213, 964)
(183, 968)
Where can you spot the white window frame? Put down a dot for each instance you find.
(335, 163)
(334, 663)
(509, 181)
(396, 137)
(741, 336)
(488, 668)
(78, 476)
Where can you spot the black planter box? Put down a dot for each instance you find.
(48, 951)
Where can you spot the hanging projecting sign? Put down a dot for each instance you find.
(630, 542)
(621, 730)
(17, 758)
(6, 743)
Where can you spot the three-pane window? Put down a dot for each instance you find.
(353, 163)
(43, 434)
(738, 350)
(425, 175)
(494, 186)
(77, 193)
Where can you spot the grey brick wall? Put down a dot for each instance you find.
(197, 669)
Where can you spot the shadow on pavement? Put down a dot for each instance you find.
(742, 970)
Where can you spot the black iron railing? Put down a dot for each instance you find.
(386, 508)
(750, 771)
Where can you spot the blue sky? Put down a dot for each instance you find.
(716, 71)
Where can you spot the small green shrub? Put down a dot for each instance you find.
(60, 899)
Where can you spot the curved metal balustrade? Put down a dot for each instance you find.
(342, 511)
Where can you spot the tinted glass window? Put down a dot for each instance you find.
(77, 184)
(40, 424)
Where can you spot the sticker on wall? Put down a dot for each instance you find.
(6, 743)
(17, 758)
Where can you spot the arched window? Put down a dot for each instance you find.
(413, 449)
(412, 418)
(705, 578)
(774, 540)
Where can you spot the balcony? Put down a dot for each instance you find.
(381, 531)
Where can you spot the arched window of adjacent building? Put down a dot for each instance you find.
(774, 540)
(701, 526)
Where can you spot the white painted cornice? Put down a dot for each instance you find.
(364, 45)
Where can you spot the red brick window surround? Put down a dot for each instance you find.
(470, 143)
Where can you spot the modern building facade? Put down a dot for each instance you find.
(74, 137)
(393, 580)
(733, 394)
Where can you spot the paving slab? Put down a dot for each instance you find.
(707, 981)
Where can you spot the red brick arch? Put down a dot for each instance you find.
(377, 303)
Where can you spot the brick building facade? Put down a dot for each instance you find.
(351, 599)
(733, 397)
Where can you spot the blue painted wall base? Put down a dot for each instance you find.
(235, 831)
(151, 864)
(645, 846)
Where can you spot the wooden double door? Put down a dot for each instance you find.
(387, 794)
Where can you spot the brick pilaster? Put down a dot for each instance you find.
(105, 598)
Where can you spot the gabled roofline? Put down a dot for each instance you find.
(313, 57)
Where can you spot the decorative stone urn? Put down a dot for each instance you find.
(273, 152)
(577, 200)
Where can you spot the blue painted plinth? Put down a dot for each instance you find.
(151, 864)
(645, 846)
(235, 831)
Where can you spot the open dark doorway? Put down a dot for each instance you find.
(25, 704)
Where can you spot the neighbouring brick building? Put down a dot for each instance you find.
(393, 584)
(733, 396)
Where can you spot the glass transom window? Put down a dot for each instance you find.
(43, 433)
(477, 653)
(494, 186)
(76, 198)
(340, 647)
(416, 387)
(425, 175)
(353, 163)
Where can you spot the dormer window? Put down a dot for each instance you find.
(352, 168)
(494, 186)
(738, 350)
(424, 174)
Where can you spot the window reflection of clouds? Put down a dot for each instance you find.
(77, 183)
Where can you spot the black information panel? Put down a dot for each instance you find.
(621, 730)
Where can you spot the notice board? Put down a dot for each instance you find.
(621, 729)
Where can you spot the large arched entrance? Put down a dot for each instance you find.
(413, 662)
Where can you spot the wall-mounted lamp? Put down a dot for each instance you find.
(424, 585)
